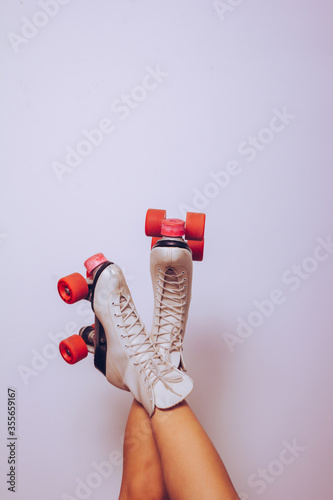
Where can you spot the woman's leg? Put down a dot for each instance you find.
(192, 468)
(142, 473)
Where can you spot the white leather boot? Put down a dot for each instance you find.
(171, 274)
(123, 349)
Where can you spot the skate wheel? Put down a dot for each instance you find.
(73, 349)
(73, 288)
(154, 220)
(197, 248)
(195, 226)
(154, 240)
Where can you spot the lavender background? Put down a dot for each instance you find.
(228, 68)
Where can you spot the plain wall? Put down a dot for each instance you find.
(204, 139)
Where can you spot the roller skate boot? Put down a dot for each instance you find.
(122, 348)
(171, 273)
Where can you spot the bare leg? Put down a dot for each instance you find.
(191, 465)
(192, 468)
(142, 473)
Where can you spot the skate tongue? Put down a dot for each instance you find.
(171, 313)
(136, 334)
(143, 350)
(172, 289)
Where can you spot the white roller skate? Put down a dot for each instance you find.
(122, 349)
(171, 273)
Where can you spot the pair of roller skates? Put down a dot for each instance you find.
(150, 366)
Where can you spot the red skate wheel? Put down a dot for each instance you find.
(195, 226)
(197, 248)
(154, 240)
(73, 288)
(73, 349)
(154, 220)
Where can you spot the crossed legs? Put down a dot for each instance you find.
(142, 470)
(170, 457)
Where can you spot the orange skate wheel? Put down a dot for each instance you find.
(195, 226)
(197, 248)
(154, 240)
(73, 288)
(154, 220)
(73, 349)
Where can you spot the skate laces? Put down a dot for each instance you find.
(171, 301)
(146, 358)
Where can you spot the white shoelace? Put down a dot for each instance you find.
(146, 358)
(170, 301)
